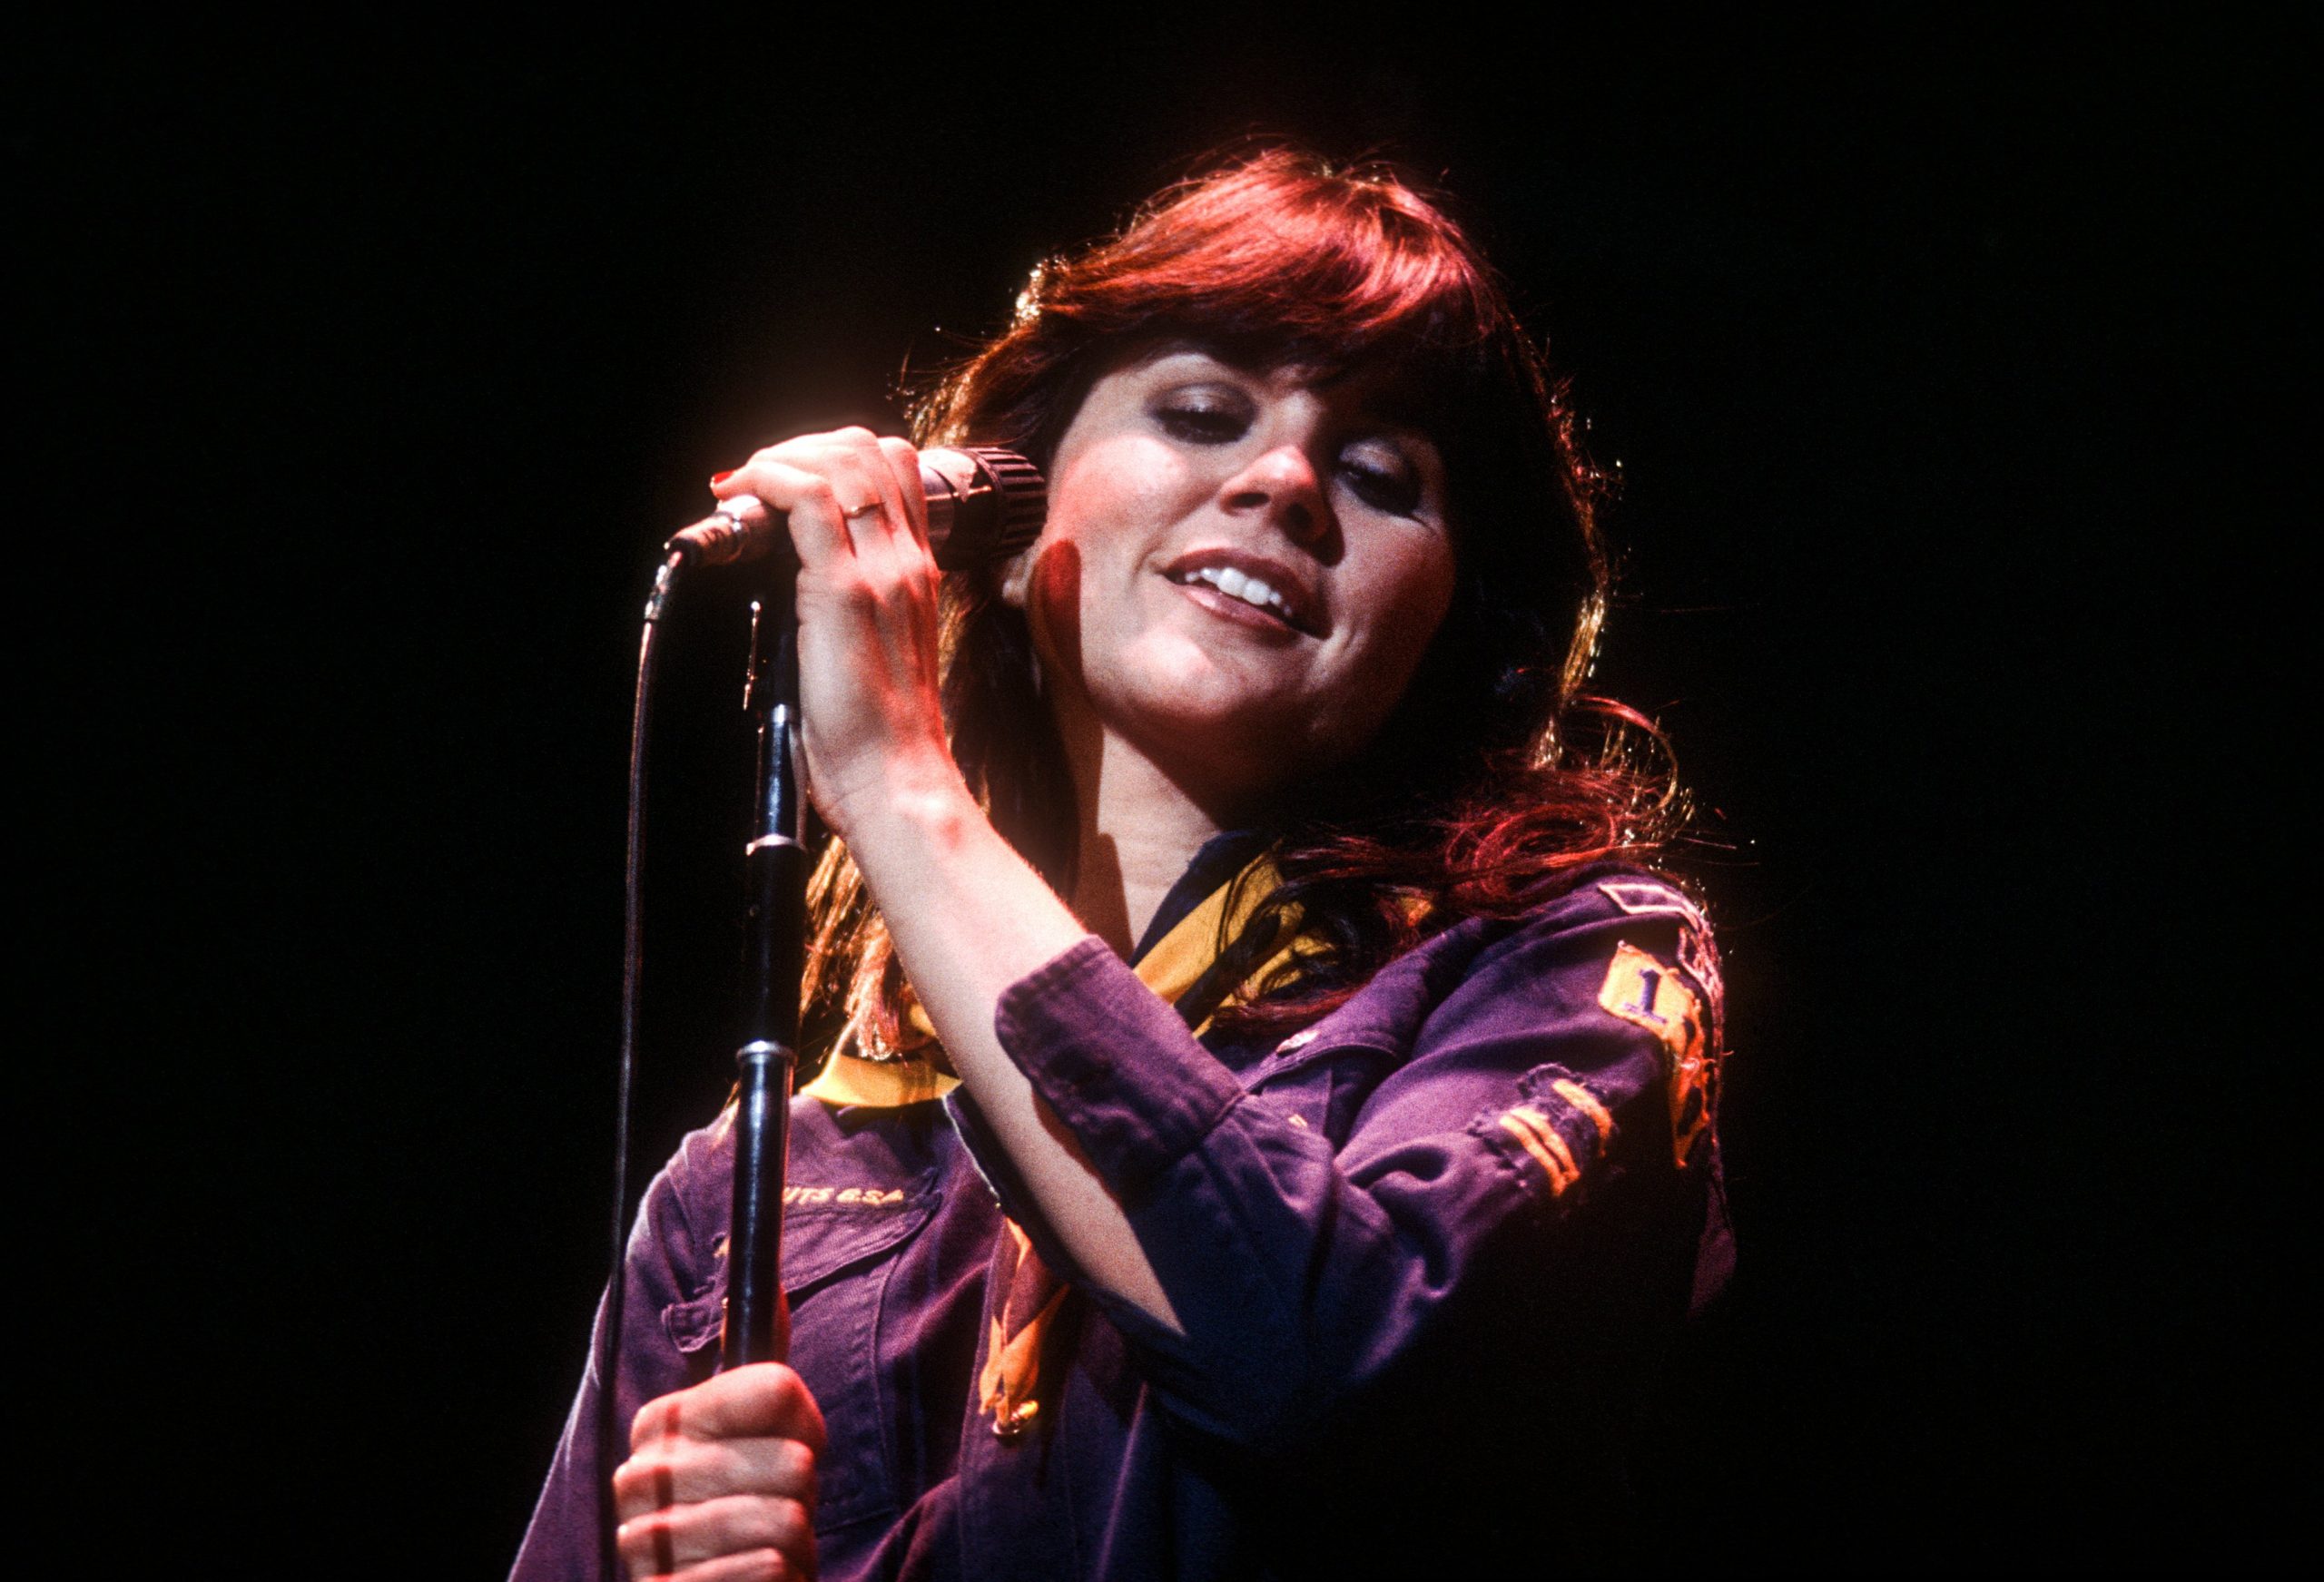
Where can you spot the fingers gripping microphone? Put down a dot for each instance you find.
(984, 503)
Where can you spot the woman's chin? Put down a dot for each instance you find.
(1228, 730)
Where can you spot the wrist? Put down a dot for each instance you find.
(910, 817)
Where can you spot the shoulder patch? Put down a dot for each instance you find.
(1646, 992)
(1696, 956)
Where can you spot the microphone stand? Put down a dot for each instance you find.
(773, 961)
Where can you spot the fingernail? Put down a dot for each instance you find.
(719, 478)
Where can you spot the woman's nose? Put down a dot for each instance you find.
(1283, 483)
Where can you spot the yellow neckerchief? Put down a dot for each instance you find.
(1178, 959)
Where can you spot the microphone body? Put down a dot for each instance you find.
(984, 503)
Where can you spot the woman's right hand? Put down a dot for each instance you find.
(720, 1484)
(868, 671)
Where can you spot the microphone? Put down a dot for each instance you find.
(984, 503)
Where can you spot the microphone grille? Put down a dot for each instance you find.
(1019, 491)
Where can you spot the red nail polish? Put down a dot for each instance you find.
(719, 478)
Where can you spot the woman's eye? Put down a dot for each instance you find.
(1202, 425)
(1392, 489)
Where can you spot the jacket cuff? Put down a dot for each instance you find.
(1116, 1065)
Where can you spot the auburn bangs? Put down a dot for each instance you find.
(1280, 262)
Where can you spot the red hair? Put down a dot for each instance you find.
(1494, 777)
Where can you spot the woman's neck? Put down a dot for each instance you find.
(1139, 828)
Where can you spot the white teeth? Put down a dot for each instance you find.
(1235, 585)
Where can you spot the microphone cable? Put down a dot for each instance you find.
(610, 1446)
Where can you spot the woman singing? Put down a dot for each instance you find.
(1267, 1125)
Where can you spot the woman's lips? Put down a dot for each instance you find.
(1233, 578)
(1228, 607)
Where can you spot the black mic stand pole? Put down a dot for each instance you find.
(774, 960)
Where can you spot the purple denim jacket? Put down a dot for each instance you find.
(1425, 1253)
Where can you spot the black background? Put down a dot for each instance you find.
(1943, 362)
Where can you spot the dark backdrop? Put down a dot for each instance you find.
(1942, 362)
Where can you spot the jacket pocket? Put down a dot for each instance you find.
(840, 1249)
(839, 1255)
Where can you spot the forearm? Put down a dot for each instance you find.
(970, 918)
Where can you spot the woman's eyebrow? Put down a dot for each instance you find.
(1171, 351)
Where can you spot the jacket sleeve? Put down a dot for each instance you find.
(667, 1263)
(1535, 1068)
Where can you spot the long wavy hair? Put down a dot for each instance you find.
(1496, 776)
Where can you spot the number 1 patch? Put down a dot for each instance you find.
(1649, 994)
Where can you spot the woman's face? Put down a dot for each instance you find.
(1241, 569)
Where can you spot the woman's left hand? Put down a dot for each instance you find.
(720, 1485)
(873, 724)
